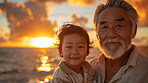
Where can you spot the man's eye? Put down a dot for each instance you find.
(68, 46)
(103, 27)
(118, 25)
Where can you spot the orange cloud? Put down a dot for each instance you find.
(4, 34)
(72, 2)
(49, 8)
(28, 20)
(55, 1)
(79, 20)
(140, 41)
(142, 8)
(1, 30)
(0, 11)
(81, 2)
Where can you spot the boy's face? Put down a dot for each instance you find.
(74, 49)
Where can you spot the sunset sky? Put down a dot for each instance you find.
(29, 22)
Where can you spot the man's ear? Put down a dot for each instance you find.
(134, 32)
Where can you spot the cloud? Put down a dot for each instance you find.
(55, 1)
(28, 19)
(140, 41)
(141, 6)
(1, 30)
(2, 39)
(82, 21)
(72, 2)
(4, 35)
(82, 2)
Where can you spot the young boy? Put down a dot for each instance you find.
(73, 46)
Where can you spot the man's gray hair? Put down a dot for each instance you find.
(132, 13)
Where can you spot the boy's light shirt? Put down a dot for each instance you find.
(65, 74)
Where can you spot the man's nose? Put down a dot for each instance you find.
(111, 32)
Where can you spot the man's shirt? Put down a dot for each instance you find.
(135, 71)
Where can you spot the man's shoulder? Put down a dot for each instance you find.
(96, 59)
(143, 59)
(93, 62)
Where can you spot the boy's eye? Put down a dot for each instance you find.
(81, 46)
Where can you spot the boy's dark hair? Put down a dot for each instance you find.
(67, 29)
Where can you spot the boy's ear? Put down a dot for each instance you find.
(134, 32)
(60, 52)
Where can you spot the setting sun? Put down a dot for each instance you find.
(42, 42)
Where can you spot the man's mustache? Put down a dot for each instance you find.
(106, 41)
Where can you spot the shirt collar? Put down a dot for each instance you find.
(131, 62)
(133, 57)
(65, 68)
(85, 66)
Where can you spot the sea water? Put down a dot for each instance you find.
(30, 65)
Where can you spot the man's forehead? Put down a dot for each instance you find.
(118, 19)
(112, 12)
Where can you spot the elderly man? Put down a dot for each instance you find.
(116, 25)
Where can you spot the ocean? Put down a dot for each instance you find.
(31, 65)
(35, 65)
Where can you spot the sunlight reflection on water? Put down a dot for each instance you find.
(45, 66)
(30, 65)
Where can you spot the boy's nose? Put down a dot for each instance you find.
(75, 51)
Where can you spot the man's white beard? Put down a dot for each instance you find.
(111, 52)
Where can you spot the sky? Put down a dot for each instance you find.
(21, 21)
